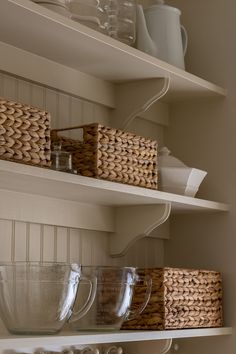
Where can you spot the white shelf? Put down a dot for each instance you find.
(37, 30)
(45, 182)
(39, 195)
(10, 342)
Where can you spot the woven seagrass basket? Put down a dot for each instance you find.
(112, 154)
(180, 298)
(24, 133)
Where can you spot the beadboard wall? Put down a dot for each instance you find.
(37, 242)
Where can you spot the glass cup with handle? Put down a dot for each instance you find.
(39, 297)
(112, 305)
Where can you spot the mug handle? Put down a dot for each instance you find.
(76, 315)
(148, 281)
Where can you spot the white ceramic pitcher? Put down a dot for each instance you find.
(160, 34)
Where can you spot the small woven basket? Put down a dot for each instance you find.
(180, 298)
(112, 154)
(24, 133)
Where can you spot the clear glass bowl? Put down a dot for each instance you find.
(38, 298)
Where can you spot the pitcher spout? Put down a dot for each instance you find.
(144, 41)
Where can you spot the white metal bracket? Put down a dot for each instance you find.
(134, 98)
(134, 222)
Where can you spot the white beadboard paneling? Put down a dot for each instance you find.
(34, 242)
(94, 248)
(51, 74)
(47, 243)
(1, 84)
(158, 113)
(131, 258)
(155, 253)
(102, 115)
(38, 96)
(75, 246)
(100, 250)
(24, 92)
(62, 245)
(63, 112)
(118, 262)
(53, 211)
(146, 252)
(147, 129)
(5, 240)
(20, 241)
(10, 89)
(76, 111)
(51, 105)
(88, 112)
(86, 245)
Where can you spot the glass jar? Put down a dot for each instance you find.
(121, 20)
(61, 160)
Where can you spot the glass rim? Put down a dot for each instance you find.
(108, 267)
(39, 263)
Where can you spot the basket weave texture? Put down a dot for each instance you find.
(180, 298)
(112, 154)
(24, 133)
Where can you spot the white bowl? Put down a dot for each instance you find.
(181, 180)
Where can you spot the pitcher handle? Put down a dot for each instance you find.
(148, 281)
(184, 35)
(76, 315)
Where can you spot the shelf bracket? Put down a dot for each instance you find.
(135, 222)
(136, 97)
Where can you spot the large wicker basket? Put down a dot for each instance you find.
(24, 133)
(180, 298)
(112, 154)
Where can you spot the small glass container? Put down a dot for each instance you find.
(61, 160)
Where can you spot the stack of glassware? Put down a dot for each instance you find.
(116, 18)
(41, 297)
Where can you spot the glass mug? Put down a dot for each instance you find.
(38, 297)
(112, 305)
(116, 18)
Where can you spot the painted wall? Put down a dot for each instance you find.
(202, 134)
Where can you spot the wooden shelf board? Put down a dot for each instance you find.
(45, 182)
(72, 339)
(38, 30)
